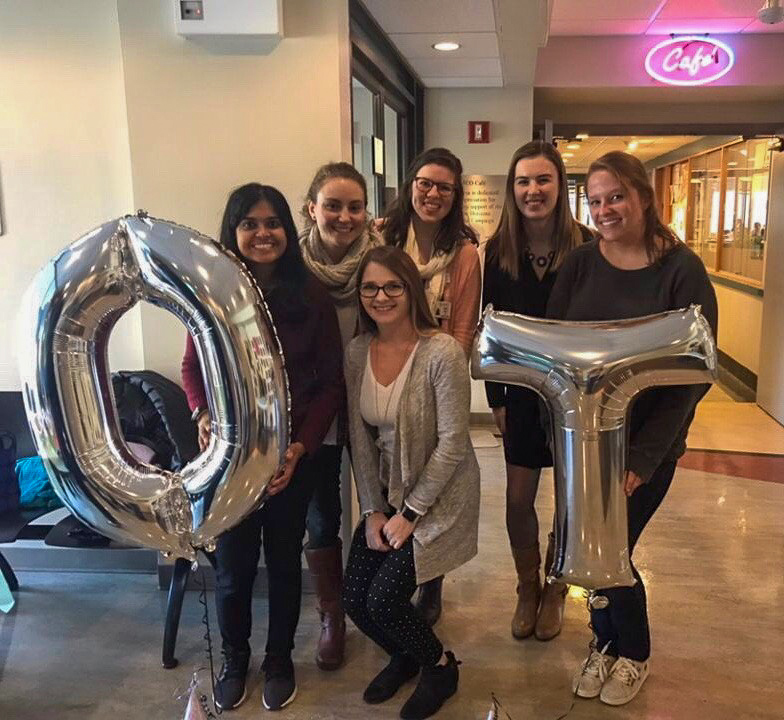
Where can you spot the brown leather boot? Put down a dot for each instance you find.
(529, 590)
(551, 610)
(326, 567)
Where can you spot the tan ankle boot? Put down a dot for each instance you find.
(529, 589)
(326, 567)
(551, 610)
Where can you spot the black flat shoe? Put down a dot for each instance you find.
(436, 685)
(398, 672)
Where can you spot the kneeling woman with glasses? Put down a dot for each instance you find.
(416, 473)
(427, 221)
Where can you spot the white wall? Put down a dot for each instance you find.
(510, 112)
(740, 325)
(64, 161)
(203, 119)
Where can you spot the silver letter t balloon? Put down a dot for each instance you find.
(588, 373)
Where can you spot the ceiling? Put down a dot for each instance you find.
(577, 159)
(499, 38)
(657, 17)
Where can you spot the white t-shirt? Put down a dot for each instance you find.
(378, 406)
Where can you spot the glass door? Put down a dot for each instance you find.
(379, 128)
(362, 102)
(393, 171)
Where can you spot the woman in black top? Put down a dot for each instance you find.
(637, 267)
(534, 235)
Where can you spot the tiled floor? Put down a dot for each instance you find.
(84, 645)
(736, 427)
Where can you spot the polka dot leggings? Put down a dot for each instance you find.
(377, 591)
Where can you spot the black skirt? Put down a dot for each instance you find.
(526, 438)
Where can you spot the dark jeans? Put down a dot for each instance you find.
(281, 521)
(376, 594)
(324, 510)
(624, 622)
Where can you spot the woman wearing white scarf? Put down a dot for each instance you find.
(427, 221)
(336, 238)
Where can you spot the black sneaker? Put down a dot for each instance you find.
(230, 685)
(436, 684)
(280, 688)
(400, 670)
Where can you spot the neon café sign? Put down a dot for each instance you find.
(689, 60)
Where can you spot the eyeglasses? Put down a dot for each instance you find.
(391, 289)
(424, 185)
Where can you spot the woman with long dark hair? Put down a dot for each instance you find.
(637, 267)
(427, 222)
(417, 476)
(522, 259)
(337, 235)
(257, 226)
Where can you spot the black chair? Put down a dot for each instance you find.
(153, 411)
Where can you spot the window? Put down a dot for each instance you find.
(705, 199)
(745, 209)
(717, 202)
(678, 194)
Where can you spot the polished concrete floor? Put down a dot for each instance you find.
(86, 645)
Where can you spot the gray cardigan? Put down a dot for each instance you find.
(434, 468)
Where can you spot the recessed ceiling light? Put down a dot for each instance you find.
(632, 146)
(567, 155)
(446, 46)
(581, 136)
(573, 146)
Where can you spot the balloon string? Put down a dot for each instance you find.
(493, 715)
(208, 638)
(587, 596)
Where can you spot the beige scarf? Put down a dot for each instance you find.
(340, 278)
(433, 273)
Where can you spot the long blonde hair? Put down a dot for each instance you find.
(506, 243)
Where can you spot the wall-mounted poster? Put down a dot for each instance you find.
(484, 199)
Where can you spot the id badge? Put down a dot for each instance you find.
(443, 310)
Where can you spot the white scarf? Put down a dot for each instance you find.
(433, 272)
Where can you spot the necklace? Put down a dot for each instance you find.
(539, 260)
(376, 383)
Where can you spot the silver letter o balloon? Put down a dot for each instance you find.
(67, 315)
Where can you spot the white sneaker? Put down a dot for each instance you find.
(626, 679)
(590, 676)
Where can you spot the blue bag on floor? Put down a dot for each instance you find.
(9, 487)
(35, 490)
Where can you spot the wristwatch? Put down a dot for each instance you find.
(409, 514)
(197, 413)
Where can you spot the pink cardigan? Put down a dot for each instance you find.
(464, 291)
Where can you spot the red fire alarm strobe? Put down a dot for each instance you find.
(478, 131)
